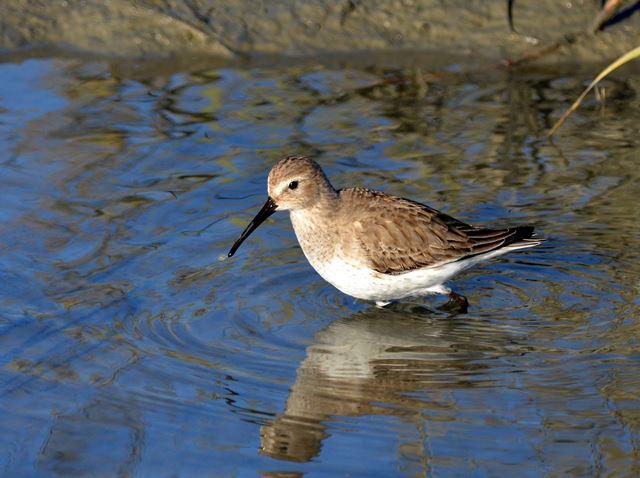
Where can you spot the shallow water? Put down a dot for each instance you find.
(131, 348)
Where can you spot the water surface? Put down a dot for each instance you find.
(131, 348)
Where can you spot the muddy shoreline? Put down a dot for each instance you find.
(240, 30)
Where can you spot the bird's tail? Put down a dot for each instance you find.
(523, 238)
(509, 239)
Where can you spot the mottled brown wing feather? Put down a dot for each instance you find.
(428, 237)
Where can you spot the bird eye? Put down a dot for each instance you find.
(293, 184)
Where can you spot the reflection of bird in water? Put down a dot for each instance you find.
(366, 365)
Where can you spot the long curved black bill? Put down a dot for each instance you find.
(267, 210)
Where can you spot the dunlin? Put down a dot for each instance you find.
(375, 246)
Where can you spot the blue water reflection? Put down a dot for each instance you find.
(131, 345)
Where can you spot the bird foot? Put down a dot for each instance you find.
(456, 303)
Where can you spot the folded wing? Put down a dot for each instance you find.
(426, 238)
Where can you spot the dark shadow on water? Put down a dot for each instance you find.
(381, 362)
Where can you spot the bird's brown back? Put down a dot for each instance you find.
(399, 235)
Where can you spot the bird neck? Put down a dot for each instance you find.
(327, 202)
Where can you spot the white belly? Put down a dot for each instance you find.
(371, 285)
(368, 284)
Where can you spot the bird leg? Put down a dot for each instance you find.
(458, 301)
